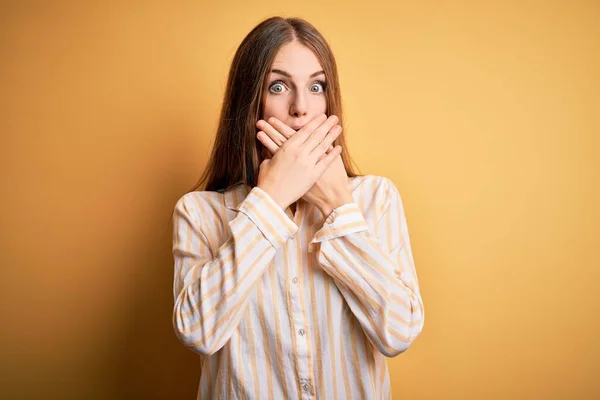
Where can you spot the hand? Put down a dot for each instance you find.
(331, 190)
(300, 161)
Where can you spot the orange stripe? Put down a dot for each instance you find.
(333, 358)
(229, 243)
(229, 258)
(223, 299)
(232, 321)
(240, 370)
(230, 371)
(278, 334)
(344, 368)
(266, 224)
(208, 379)
(389, 275)
(410, 307)
(265, 344)
(213, 225)
(349, 281)
(400, 336)
(222, 265)
(179, 221)
(301, 266)
(234, 308)
(382, 271)
(382, 370)
(286, 268)
(342, 229)
(353, 328)
(410, 324)
(367, 346)
(314, 308)
(276, 210)
(373, 325)
(251, 343)
(370, 356)
(347, 211)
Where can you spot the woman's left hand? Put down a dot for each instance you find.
(331, 190)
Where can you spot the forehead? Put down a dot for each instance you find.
(296, 59)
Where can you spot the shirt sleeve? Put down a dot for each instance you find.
(211, 290)
(375, 271)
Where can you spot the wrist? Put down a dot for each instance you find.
(272, 194)
(327, 206)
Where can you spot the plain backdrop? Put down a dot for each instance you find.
(485, 114)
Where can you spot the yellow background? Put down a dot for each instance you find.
(485, 115)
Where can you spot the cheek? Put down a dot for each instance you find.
(275, 106)
(320, 105)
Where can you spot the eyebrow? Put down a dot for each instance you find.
(281, 72)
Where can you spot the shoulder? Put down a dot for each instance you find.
(377, 192)
(375, 185)
(197, 203)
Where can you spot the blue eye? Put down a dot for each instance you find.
(317, 84)
(276, 84)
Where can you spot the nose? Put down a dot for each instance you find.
(298, 108)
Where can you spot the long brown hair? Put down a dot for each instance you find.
(237, 153)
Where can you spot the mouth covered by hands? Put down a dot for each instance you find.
(332, 189)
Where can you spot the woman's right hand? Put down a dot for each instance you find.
(300, 161)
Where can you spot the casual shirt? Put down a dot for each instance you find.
(294, 306)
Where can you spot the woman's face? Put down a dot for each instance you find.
(295, 87)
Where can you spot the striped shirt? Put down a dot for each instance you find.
(294, 306)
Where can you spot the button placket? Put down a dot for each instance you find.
(306, 386)
(298, 317)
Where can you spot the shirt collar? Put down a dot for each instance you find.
(235, 195)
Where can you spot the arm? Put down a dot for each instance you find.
(375, 274)
(211, 291)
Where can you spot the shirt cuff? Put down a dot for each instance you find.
(342, 221)
(268, 216)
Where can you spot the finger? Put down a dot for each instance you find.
(326, 160)
(323, 156)
(281, 127)
(306, 130)
(268, 142)
(321, 148)
(320, 133)
(329, 149)
(284, 129)
(277, 137)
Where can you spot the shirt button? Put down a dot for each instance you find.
(295, 280)
(305, 387)
(301, 332)
(293, 238)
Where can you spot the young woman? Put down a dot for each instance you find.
(294, 276)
